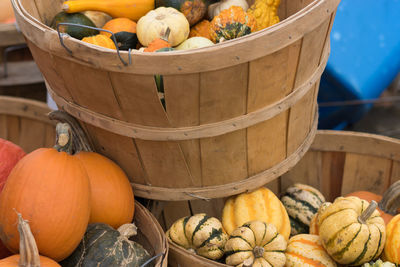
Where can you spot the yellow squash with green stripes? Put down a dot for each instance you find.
(352, 231)
(261, 204)
(201, 234)
(256, 244)
(307, 250)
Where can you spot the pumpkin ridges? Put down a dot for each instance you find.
(58, 217)
(393, 233)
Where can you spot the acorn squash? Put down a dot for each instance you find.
(74, 31)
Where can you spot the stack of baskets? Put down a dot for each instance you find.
(237, 115)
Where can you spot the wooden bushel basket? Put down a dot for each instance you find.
(237, 114)
(25, 123)
(151, 236)
(337, 163)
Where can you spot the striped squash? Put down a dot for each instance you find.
(256, 244)
(314, 228)
(301, 202)
(392, 247)
(352, 230)
(201, 234)
(307, 250)
(261, 205)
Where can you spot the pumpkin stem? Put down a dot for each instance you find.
(128, 230)
(368, 212)
(391, 199)
(63, 138)
(165, 36)
(80, 142)
(28, 251)
(258, 251)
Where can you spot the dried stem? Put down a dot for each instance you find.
(28, 251)
(390, 202)
(368, 212)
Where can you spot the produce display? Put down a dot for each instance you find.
(302, 203)
(139, 23)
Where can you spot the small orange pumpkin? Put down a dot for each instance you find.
(391, 251)
(51, 189)
(28, 251)
(159, 43)
(100, 40)
(201, 29)
(388, 203)
(119, 25)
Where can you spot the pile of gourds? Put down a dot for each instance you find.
(79, 205)
(150, 25)
(300, 229)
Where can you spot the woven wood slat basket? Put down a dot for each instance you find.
(25, 123)
(237, 114)
(338, 163)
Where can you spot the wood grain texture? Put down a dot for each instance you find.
(174, 211)
(32, 134)
(395, 176)
(332, 174)
(367, 173)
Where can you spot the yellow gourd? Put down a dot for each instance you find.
(100, 40)
(265, 13)
(132, 9)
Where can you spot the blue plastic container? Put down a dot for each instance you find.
(364, 60)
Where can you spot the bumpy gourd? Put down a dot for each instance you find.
(201, 29)
(261, 204)
(307, 250)
(231, 23)
(199, 233)
(265, 12)
(256, 243)
(379, 263)
(302, 203)
(100, 40)
(103, 246)
(352, 231)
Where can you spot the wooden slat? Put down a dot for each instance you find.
(121, 151)
(270, 79)
(174, 211)
(310, 57)
(395, 176)
(223, 96)
(296, 6)
(211, 208)
(48, 11)
(307, 171)
(30, 7)
(332, 174)
(32, 134)
(365, 173)
(50, 136)
(3, 126)
(275, 186)
(139, 103)
(182, 98)
(13, 129)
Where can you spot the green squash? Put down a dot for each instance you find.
(103, 246)
(74, 31)
(379, 263)
(159, 79)
(194, 10)
(126, 40)
(302, 203)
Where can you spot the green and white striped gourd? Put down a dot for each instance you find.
(301, 202)
(199, 233)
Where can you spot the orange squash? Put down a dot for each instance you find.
(29, 255)
(391, 251)
(119, 25)
(51, 189)
(201, 29)
(100, 40)
(159, 43)
(388, 203)
(112, 200)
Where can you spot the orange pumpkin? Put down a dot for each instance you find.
(29, 255)
(112, 200)
(51, 189)
(388, 203)
(119, 25)
(100, 40)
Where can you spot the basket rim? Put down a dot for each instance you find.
(226, 54)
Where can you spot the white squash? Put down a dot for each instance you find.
(216, 8)
(194, 42)
(155, 23)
